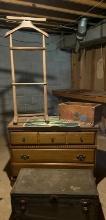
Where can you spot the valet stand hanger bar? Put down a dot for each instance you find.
(27, 23)
(25, 18)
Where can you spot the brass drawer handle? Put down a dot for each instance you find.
(81, 157)
(23, 205)
(81, 139)
(24, 157)
(52, 140)
(23, 139)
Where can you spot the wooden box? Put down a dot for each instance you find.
(88, 113)
(58, 194)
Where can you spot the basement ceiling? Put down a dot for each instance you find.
(62, 15)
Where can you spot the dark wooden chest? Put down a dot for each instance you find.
(55, 194)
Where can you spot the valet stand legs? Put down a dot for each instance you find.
(45, 81)
(13, 81)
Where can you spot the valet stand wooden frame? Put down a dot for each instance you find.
(26, 22)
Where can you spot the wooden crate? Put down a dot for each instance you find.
(83, 112)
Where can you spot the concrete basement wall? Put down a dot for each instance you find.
(93, 34)
(29, 68)
(96, 33)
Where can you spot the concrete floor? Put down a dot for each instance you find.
(101, 171)
(5, 187)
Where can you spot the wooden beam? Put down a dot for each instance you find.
(92, 64)
(42, 24)
(11, 12)
(86, 95)
(64, 10)
(55, 29)
(92, 3)
(104, 57)
(75, 73)
(32, 5)
(54, 8)
(18, 2)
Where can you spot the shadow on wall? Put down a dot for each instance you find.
(5, 115)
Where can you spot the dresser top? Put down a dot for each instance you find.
(54, 124)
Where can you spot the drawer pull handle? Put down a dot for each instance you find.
(23, 205)
(81, 157)
(81, 139)
(85, 206)
(52, 140)
(23, 140)
(25, 157)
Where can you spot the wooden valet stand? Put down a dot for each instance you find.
(27, 23)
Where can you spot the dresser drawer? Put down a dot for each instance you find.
(23, 138)
(80, 138)
(53, 155)
(51, 138)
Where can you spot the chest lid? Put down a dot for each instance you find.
(37, 181)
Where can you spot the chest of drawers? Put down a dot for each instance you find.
(59, 147)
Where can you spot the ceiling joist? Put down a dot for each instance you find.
(10, 12)
(60, 15)
(64, 10)
(92, 3)
(59, 9)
